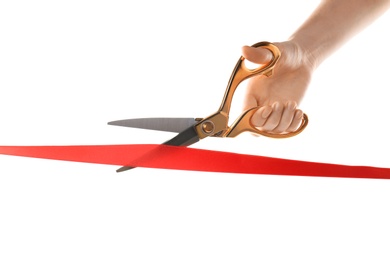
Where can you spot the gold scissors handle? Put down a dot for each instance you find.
(243, 123)
(217, 123)
(241, 73)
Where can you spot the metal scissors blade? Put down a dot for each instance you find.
(175, 125)
(185, 138)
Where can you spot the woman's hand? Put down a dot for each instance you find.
(278, 96)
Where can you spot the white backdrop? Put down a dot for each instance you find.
(69, 67)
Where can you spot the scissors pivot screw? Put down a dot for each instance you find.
(208, 127)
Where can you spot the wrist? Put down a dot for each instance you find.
(310, 55)
(297, 56)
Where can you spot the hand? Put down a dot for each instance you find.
(278, 95)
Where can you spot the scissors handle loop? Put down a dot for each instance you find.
(243, 124)
(241, 72)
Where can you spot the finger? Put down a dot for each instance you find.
(297, 121)
(256, 55)
(261, 116)
(274, 119)
(287, 117)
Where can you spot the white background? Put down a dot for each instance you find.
(69, 67)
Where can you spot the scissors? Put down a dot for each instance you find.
(191, 130)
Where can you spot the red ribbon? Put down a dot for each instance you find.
(184, 158)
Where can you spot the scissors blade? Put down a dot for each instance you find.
(185, 138)
(175, 125)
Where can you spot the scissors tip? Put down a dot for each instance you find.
(124, 168)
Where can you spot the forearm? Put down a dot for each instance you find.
(333, 23)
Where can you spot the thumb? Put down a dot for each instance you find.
(256, 55)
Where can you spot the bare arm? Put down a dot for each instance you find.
(328, 27)
(333, 23)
